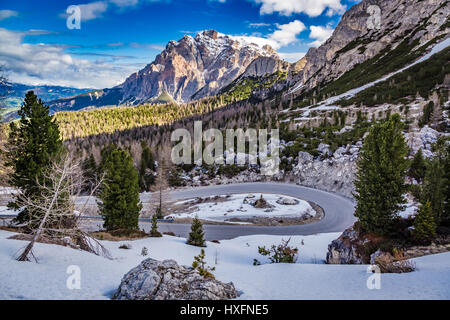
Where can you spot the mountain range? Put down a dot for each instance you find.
(213, 63)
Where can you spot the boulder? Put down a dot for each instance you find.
(344, 249)
(166, 280)
(288, 201)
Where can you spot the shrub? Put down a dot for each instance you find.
(282, 253)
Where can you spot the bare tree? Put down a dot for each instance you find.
(161, 196)
(59, 220)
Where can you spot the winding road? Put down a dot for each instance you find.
(338, 211)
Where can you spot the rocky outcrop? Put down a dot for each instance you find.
(423, 139)
(335, 174)
(263, 66)
(166, 280)
(344, 250)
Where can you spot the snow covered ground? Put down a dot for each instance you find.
(238, 206)
(309, 278)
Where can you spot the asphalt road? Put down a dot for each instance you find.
(338, 211)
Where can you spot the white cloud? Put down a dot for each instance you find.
(125, 3)
(320, 34)
(312, 8)
(36, 64)
(292, 56)
(283, 36)
(256, 40)
(258, 24)
(5, 14)
(93, 10)
(287, 33)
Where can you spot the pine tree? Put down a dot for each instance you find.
(154, 233)
(424, 224)
(436, 182)
(33, 144)
(418, 167)
(380, 180)
(147, 163)
(446, 187)
(90, 172)
(200, 265)
(196, 237)
(120, 205)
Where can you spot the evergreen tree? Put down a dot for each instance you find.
(34, 143)
(200, 265)
(90, 172)
(418, 167)
(154, 231)
(120, 205)
(380, 180)
(436, 184)
(446, 217)
(147, 163)
(196, 237)
(424, 224)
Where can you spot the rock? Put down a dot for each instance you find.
(166, 280)
(343, 250)
(305, 157)
(324, 149)
(288, 201)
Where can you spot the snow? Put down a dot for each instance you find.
(235, 207)
(309, 278)
(410, 210)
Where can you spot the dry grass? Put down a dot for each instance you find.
(119, 235)
(396, 263)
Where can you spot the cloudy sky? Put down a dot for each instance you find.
(119, 37)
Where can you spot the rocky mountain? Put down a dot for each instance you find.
(188, 69)
(404, 28)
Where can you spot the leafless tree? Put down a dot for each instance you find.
(58, 220)
(161, 195)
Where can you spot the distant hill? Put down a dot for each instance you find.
(15, 92)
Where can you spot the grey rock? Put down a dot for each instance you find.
(166, 280)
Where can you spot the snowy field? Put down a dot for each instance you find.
(309, 278)
(239, 207)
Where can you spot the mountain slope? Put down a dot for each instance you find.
(407, 28)
(192, 68)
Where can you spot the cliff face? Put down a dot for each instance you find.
(356, 40)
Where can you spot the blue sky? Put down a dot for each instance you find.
(118, 37)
